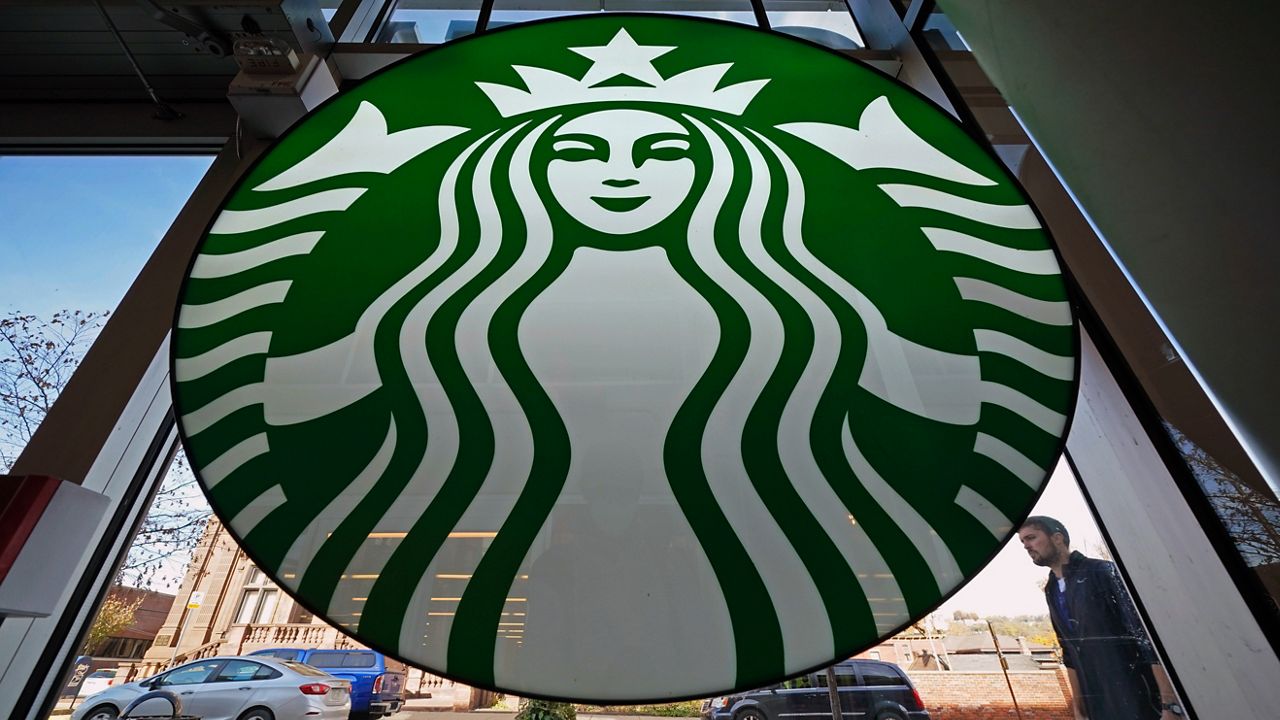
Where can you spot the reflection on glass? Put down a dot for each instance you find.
(1248, 511)
(1002, 646)
(942, 35)
(826, 23)
(329, 8)
(513, 11)
(1076, 648)
(1246, 505)
(430, 21)
(1110, 661)
(248, 606)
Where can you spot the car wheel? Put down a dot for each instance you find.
(102, 712)
(750, 714)
(890, 715)
(257, 714)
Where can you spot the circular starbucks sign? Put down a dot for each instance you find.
(624, 357)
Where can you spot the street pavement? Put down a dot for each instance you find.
(414, 711)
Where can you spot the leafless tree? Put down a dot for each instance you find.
(1251, 516)
(37, 357)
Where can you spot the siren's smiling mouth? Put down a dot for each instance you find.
(621, 204)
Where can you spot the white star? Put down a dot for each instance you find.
(622, 56)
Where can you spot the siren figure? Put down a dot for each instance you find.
(640, 177)
(628, 231)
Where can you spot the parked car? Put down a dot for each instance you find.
(868, 689)
(377, 682)
(96, 681)
(234, 688)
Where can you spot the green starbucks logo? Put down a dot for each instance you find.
(624, 357)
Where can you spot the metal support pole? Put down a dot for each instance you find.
(482, 21)
(182, 630)
(762, 17)
(1004, 668)
(834, 694)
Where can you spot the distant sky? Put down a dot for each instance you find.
(1008, 586)
(75, 231)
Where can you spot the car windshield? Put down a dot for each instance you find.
(342, 659)
(282, 654)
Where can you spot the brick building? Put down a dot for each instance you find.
(132, 643)
(959, 677)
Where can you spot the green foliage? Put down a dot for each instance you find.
(114, 617)
(688, 708)
(1028, 626)
(546, 710)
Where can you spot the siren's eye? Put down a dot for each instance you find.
(576, 148)
(665, 146)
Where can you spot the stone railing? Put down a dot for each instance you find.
(243, 639)
(204, 651)
(139, 669)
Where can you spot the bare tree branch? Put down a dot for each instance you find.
(37, 358)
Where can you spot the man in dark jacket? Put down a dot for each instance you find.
(1111, 664)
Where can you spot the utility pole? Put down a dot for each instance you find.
(834, 694)
(1004, 667)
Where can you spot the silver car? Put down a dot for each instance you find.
(234, 688)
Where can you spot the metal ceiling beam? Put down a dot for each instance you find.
(124, 127)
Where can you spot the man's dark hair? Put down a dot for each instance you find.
(1049, 526)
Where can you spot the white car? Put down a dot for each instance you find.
(96, 682)
(233, 688)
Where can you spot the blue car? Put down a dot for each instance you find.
(377, 685)
(868, 689)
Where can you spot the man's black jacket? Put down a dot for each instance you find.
(1103, 640)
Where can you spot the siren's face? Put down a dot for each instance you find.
(621, 171)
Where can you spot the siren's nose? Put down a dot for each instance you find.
(621, 183)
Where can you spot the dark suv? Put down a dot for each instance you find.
(869, 690)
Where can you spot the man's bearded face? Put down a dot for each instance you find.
(1039, 546)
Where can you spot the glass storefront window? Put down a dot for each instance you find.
(513, 11)
(827, 22)
(1245, 503)
(430, 21)
(1246, 507)
(1016, 638)
(63, 272)
(942, 35)
(824, 22)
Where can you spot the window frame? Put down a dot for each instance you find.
(217, 678)
(162, 680)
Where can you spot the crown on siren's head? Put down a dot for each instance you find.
(622, 56)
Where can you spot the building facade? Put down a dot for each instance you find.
(226, 605)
